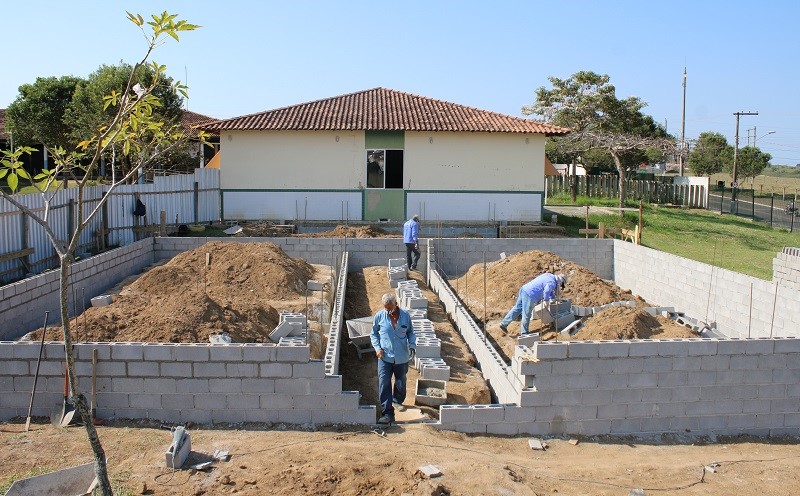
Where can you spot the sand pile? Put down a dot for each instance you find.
(218, 287)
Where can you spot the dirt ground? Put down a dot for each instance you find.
(505, 277)
(281, 461)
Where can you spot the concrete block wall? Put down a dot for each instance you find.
(180, 383)
(701, 386)
(595, 254)
(786, 268)
(493, 367)
(332, 349)
(23, 303)
(709, 293)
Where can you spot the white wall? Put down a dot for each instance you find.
(292, 159)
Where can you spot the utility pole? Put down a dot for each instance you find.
(683, 125)
(735, 185)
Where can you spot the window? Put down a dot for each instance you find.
(385, 169)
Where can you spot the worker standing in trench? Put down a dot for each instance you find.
(545, 287)
(394, 342)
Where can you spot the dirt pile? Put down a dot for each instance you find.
(585, 288)
(352, 232)
(218, 287)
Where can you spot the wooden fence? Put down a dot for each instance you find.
(650, 191)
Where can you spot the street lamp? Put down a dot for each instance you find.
(754, 136)
(735, 184)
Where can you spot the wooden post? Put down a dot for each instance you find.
(640, 226)
(196, 202)
(163, 220)
(104, 225)
(601, 230)
(26, 261)
(587, 221)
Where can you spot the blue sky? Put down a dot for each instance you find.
(252, 56)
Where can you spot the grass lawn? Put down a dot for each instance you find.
(725, 241)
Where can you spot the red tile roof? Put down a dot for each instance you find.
(382, 109)
(192, 120)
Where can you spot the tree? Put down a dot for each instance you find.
(750, 162)
(586, 103)
(711, 154)
(37, 114)
(138, 131)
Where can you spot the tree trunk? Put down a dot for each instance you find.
(574, 182)
(77, 398)
(621, 172)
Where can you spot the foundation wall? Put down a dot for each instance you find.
(23, 303)
(742, 306)
(180, 383)
(786, 268)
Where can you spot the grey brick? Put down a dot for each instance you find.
(715, 362)
(277, 401)
(14, 367)
(258, 352)
(160, 385)
(760, 346)
(208, 369)
(502, 429)
(226, 353)
(126, 385)
(293, 354)
(243, 401)
(292, 386)
(224, 385)
(787, 345)
(227, 416)
(327, 385)
(177, 401)
(143, 369)
(584, 381)
(210, 401)
(530, 398)
(613, 349)
(158, 352)
(583, 349)
(191, 385)
(346, 400)
(790, 405)
(626, 426)
(704, 346)
(686, 363)
(276, 370)
(449, 414)
(192, 353)
(643, 348)
(547, 350)
(313, 369)
(150, 401)
(657, 364)
(744, 362)
(127, 351)
(294, 416)
(673, 348)
(628, 366)
(612, 381)
(731, 346)
(176, 369)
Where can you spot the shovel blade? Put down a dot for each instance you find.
(69, 416)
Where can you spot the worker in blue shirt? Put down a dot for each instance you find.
(543, 288)
(411, 239)
(394, 341)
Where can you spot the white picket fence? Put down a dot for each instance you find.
(185, 199)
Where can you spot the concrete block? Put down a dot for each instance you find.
(195, 386)
(488, 414)
(277, 401)
(311, 369)
(455, 414)
(127, 351)
(143, 369)
(283, 330)
(547, 350)
(260, 386)
(127, 385)
(731, 346)
(346, 400)
(168, 369)
(686, 363)
(615, 348)
(259, 352)
(225, 353)
(528, 339)
(673, 348)
(760, 346)
(431, 393)
(102, 300)
(329, 384)
(294, 416)
(787, 345)
(292, 386)
(643, 348)
(436, 372)
(208, 369)
(157, 352)
(192, 353)
(292, 354)
(583, 349)
(364, 415)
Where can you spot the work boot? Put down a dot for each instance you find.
(504, 328)
(399, 406)
(386, 419)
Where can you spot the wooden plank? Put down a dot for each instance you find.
(16, 254)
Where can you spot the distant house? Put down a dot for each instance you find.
(566, 169)
(382, 154)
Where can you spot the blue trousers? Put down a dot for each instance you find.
(524, 307)
(387, 394)
(412, 248)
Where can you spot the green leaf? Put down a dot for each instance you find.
(13, 181)
(23, 173)
(3, 173)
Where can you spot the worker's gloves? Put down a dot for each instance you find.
(412, 354)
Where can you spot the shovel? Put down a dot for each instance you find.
(36, 376)
(63, 414)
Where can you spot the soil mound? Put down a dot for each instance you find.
(352, 232)
(585, 288)
(631, 323)
(217, 287)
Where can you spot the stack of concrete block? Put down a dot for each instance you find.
(429, 348)
(397, 271)
(413, 298)
(433, 368)
(417, 313)
(285, 329)
(409, 284)
(558, 312)
(423, 328)
(294, 317)
(292, 341)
